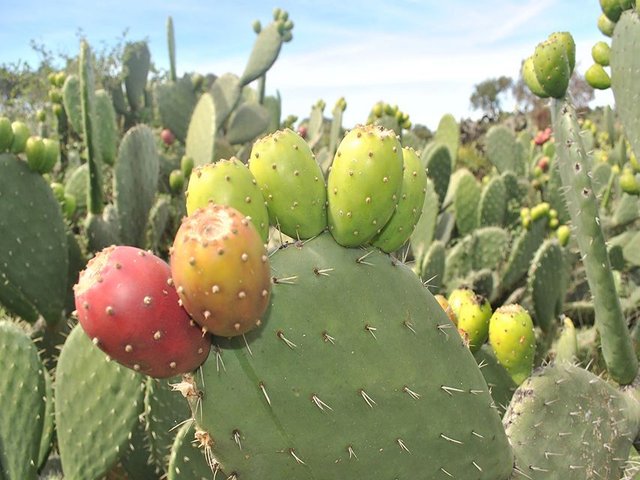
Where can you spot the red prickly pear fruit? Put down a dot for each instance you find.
(221, 270)
(543, 164)
(167, 137)
(127, 304)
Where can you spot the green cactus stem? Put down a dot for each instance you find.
(617, 348)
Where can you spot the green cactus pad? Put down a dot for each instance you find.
(547, 284)
(523, 248)
(136, 60)
(229, 182)
(448, 133)
(498, 379)
(617, 347)
(165, 410)
(437, 160)
(135, 183)
(135, 457)
(275, 408)
(291, 182)
(399, 228)
(493, 203)
(432, 267)
(247, 122)
(565, 422)
(33, 258)
(97, 407)
(71, 99)
(264, 54)
(23, 392)
(187, 461)
(160, 217)
(425, 228)
(364, 184)
(48, 426)
(200, 142)
(175, 103)
(89, 130)
(625, 64)
(503, 150)
(226, 92)
(466, 196)
(551, 66)
(108, 131)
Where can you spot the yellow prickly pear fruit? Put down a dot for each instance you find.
(513, 340)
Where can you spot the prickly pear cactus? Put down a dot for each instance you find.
(33, 253)
(89, 445)
(273, 407)
(565, 422)
(22, 387)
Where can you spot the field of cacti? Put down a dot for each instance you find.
(194, 286)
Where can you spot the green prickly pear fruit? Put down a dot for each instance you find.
(51, 154)
(176, 181)
(552, 65)
(378, 110)
(513, 340)
(364, 184)
(34, 151)
(597, 77)
(601, 53)
(540, 210)
(291, 182)
(58, 191)
(6, 134)
(563, 233)
(41, 116)
(628, 182)
(530, 79)
(257, 26)
(554, 223)
(21, 134)
(186, 165)
(569, 44)
(605, 25)
(473, 313)
(414, 188)
(69, 205)
(228, 182)
(612, 9)
(221, 271)
(59, 78)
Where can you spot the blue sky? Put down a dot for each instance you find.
(423, 55)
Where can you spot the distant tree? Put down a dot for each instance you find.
(486, 95)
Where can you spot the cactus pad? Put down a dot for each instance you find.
(263, 398)
(565, 422)
(33, 258)
(22, 387)
(93, 433)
